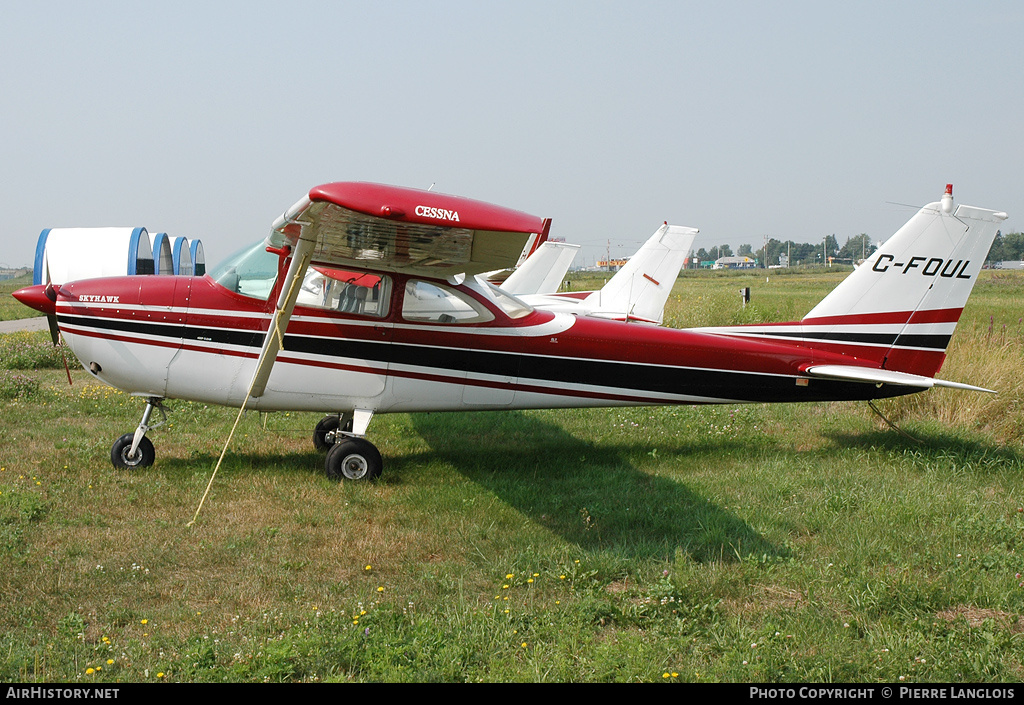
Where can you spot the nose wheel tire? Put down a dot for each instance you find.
(144, 454)
(353, 459)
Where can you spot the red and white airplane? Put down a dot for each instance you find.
(396, 321)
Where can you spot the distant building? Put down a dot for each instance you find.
(735, 263)
(613, 265)
(10, 273)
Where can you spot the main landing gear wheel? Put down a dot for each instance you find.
(353, 459)
(144, 454)
(325, 435)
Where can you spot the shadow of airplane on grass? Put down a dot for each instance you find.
(593, 496)
(596, 497)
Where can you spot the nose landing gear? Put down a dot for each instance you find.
(123, 458)
(134, 450)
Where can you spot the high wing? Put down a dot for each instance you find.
(393, 229)
(387, 228)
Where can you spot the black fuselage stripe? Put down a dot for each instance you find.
(175, 331)
(906, 340)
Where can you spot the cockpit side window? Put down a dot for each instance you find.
(430, 302)
(357, 293)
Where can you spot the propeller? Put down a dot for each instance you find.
(51, 320)
(51, 294)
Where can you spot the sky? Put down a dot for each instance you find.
(792, 120)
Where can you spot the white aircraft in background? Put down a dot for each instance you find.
(639, 290)
(543, 271)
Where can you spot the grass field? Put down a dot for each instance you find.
(738, 543)
(10, 308)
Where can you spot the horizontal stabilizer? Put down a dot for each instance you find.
(876, 376)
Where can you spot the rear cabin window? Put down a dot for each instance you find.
(428, 302)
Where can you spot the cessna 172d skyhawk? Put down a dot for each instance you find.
(396, 320)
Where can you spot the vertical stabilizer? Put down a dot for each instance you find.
(640, 289)
(543, 271)
(900, 307)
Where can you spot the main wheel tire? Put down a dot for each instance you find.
(325, 435)
(144, 454)
(353, 459)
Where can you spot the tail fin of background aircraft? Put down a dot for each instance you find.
(543, 271)
(640, 289)
(535, 241)
(900, 307)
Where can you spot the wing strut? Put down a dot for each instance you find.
(274, 341)
(272, 344)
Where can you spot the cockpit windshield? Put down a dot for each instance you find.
(251, 271)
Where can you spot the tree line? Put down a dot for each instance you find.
(1008, 247)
